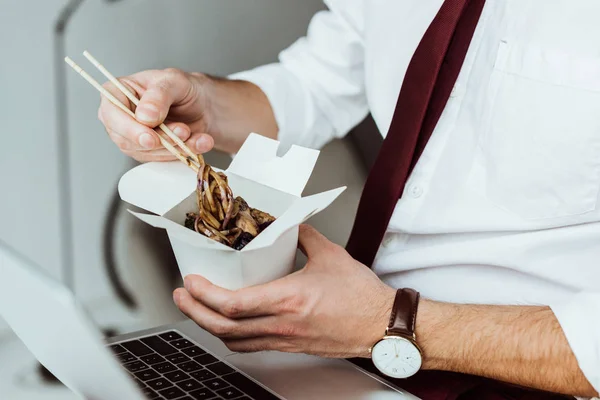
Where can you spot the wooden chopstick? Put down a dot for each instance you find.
(136, 101)
(189, 161)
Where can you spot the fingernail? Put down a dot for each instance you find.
(187, 283)
(147, 113)
(180, 132)
(147, 141)
(176, 297)
(202, 143)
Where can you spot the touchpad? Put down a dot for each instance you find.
(303, 377)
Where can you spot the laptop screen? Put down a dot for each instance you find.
(46, 317)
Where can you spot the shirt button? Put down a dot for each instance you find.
(415, 191)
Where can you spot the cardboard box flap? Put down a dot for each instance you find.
(299, 212)
(157, 186)
(257, 160)
(181, 232)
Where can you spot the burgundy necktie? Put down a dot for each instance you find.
(427, 85)
(428, 82)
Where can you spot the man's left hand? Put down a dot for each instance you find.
(333, 307)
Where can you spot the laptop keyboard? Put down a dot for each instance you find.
(170, 367)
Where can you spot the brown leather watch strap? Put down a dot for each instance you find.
(404, 313)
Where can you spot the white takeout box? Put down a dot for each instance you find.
(267, 182)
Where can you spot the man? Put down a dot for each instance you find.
(498, 224)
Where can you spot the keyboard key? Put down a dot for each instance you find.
(202, 375)
(147, 375)
(215, 384)
(117, 349)
(149, 393)
(160, 346)
(171, 393)
(249, 387)
(202, 394)
(177, 376)
(152, 359)
(137, 348)
(220, 368)
(193, 351)
(135, 366)
(164, 367)
(178, 358)
(170, 336)
(190, 384)
(126, 357)
(182, 343)
(229, 393)
(205, 359)
(159, 384)
(189, 366)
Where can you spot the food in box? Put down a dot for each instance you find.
(267, 182)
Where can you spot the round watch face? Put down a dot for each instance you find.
(396, 357)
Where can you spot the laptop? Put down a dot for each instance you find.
(179, 361)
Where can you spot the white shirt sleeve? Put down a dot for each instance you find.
(580, 321)
(317, 89)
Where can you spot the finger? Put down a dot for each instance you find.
(310, 241)
(121, 141)
(257, 344)
(248, 302)
(169, 87)
(219, 325)
(116, 92)
(119, 123)
(182, 131)
(161, 154)
(199, 143)
(144, 157)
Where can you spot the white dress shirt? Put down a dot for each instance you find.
(502, 208)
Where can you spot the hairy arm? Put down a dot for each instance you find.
(305, 312)
(515, 344)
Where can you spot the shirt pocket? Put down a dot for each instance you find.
(538, 152)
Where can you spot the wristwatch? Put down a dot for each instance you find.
(397, 354)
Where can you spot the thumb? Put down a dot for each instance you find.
(168, 88)
(310, 241)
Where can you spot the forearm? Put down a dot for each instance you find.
(515, 344)
(235, 109)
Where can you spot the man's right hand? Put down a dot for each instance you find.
(201, 110)
(171, 96)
